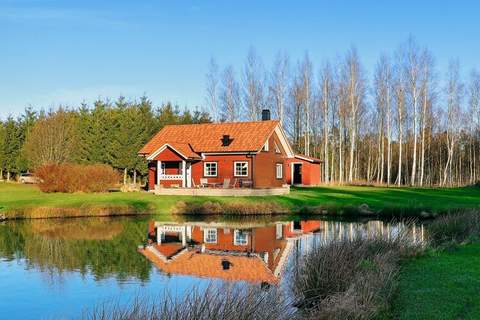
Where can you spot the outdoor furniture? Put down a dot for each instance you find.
(203, 182)
(246, 183)
(226, 183)
(215, 184)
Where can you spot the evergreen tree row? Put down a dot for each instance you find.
(106, 132)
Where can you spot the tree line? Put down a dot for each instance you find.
(408, 124)
(106, 132)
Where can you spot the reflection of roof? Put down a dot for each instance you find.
(242, 268)
(207, 137)
(168, 250)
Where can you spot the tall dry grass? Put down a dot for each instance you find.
(223, 303)
(228, 208)
(350, 279)
(455, 227)
(76, 178)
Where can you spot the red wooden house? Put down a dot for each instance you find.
(235, 154)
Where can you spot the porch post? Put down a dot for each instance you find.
(184, 173)
(159, 171)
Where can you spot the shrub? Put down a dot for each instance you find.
(454, 227)
(76, 177)
(350, 279)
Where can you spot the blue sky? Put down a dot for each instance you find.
(64, 52)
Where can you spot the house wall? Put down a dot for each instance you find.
(152, 174)
(265, 165)
(225, 168)
(311, 172)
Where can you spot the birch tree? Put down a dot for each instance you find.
(426, 84)
(306, 78)
(253, 82)
(353, 76)
(412, 69)
(454, 92)
(326, 84)
(400, 104)
(474, 106)
(230, 96)
(279, 79)
(212, 83)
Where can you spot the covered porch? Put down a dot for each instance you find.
(173, 174)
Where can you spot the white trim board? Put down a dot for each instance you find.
(161, 149)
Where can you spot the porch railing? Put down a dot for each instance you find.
(171, 177)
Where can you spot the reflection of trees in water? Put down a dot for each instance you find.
(102, 247)
(337, 230)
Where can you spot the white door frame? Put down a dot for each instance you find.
(292, 171)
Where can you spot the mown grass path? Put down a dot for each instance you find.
(441, 285)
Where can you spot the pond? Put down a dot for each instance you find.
(60, 268)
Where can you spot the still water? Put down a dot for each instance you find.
(59, 268)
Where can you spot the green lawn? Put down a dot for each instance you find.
(443, 285)
(15, 196)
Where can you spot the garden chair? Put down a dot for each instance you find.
(203, 182)
(226, 183)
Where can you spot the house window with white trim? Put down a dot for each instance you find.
(210, 169)
(265, 146)
(210, 235)
(241, 168)
(240, 238)
(279, 170)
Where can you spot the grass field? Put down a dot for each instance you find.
(441, 285)
(15, 197)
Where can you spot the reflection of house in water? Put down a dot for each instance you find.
(253, 253)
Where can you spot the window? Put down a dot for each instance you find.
(240, 238)
(265, 146)
(279, 170)
(210, 169)
(210, 235)
(241, 168)
(162, 168)
(277, 149)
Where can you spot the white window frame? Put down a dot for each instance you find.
(265, 147)
(277, 166)
(205, 169)
(277, 149)
(237, 233)
(235, 168)
(206, 238)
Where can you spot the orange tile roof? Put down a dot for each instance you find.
(251, 269)
(207, 137)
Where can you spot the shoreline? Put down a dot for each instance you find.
(28, 202)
